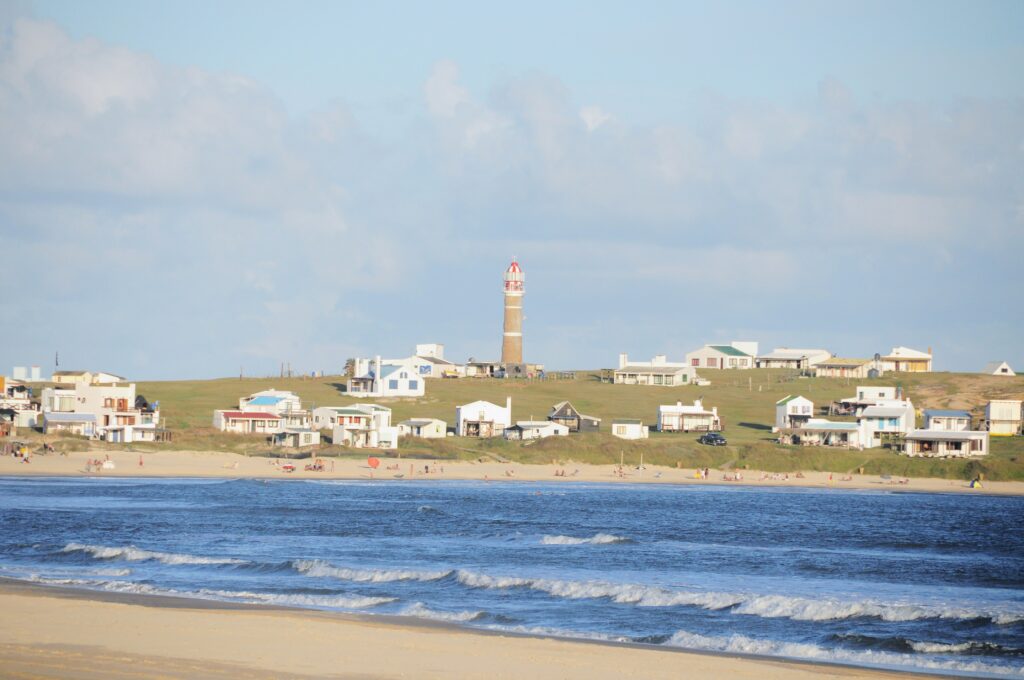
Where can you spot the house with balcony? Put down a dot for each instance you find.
(364, 426)
(823, 432)
(483, 419)
(886, 421)
(111, 404)
(680, 417)
(948, 420)
(793, 411)
(946, 443)
(380, 380)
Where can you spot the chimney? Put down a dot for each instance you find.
(508, 406)
(623, 360)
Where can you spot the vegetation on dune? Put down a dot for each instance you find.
(745, 399)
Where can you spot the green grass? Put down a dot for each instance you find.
(745, 399)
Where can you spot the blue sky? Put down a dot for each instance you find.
(199, 187)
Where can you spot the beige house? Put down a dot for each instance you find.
(424, 428)
(945, 443)
(787, 357)
(94, 378)
(629, 428)
(1003, 417)
(906, 360)
(837, 367)
(658, 372)
(680, 417)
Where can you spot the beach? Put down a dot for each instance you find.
(235, 466)
(46, 632)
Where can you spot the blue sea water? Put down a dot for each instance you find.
(898, 580)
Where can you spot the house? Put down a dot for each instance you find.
(838, 367)
(681, 417)
(998, 368)
(566, 414)
(484, 369)
(535, 429)
(383, 380)
(1003, 417)
(657, 371)
(906, 360)
(364, 426)
(273, 401)
(126, 434)
(94, 378)
(629, 428)
(822, 432)
(424, 428)
(297, 438)
(786, 357)
(734, 355)
(948, 420)
(945, 443)
(867, 395)
(112, 404)
(247, 422)
(886, 419)
(81, 424)
(483, 419)
(793, 411)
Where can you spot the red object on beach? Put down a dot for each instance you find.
(373, 462)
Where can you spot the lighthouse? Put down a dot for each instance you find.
(512, 340)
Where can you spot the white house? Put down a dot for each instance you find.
(948, 420)
(680, 417)
(126, 434)
(297, 438)
(247, 422)
(885, 418)
(82, 424)
(737, 354)
(906, 360)
(535, 429)
(383, 380)
(867, 395)
(823, 432)
(787, 357)
(944, 443)
(111, 404)
(657, 371)
(1003, 417)
(998, 368)
(629, 428)
(793, 411)
(91, 377)
(483, 419)
(364, 426)
(271, 401)
(424, 428)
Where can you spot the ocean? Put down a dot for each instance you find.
(907, 581)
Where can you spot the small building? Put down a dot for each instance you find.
(947, 420)
(484, 369)
(823, 432)
(535, 429)
(377, 379)
(566, 414)
(998, 368)
(838, 367)
(364, 426)
(867, 395)
(906, 360)
(885, 420)
(81, 424)
(424, 428)
(945, 443)
(741, 355)
(247, 422)
(792, 412)
(90, 377)
(1003, 417)
(787, 357)
(271, 401)
(483, 419)
(680, 417)
(297, 438)
(629, 428)
(126, 434)
(658, 371)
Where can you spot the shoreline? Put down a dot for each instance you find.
(223, 465)
(35, 615)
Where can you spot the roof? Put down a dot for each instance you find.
(243, 415)
(947, 435)
(730, 350)
(265, 401)
(69, 417)
(627, 421)
(836, 361)
(659, 370)
(827, 425)
(993, 366)
(907, 353)
(884, 411)
(787, 353)
(945, 413)
(421, 421)
(349, 411)
(788, 398)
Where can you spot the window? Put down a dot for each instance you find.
(620, 429)
(893, 422)
(307, 438)
(732, 362)
(668, 380)
(392, 384)
(414, 384)
(659, 380)
(695, 362)
(685, 378)
(805, 409)
(743, 362)
(712, 362)
(108, 403)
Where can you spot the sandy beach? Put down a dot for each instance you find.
(233, 466)
(47, 632)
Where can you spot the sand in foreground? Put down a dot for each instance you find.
(233, 465)
(46, 632)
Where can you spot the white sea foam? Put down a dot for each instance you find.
(132, 554)
(941, 648)
(420, 611)
(741, 644)
(299, 599)
(597, 539)
(110, 572)
(321, 569)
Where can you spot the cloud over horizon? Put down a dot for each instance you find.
(180, 222)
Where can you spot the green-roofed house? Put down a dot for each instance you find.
(737, 354)
(793, 411)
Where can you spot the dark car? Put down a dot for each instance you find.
(712, 439)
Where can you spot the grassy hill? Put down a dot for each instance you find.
(745, 399)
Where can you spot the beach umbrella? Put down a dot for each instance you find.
(373, 462)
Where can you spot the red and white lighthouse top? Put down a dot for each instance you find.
(514, 278)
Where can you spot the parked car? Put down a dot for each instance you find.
(712, 439)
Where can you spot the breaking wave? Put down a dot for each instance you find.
(597, 539)
(132, 554)
(421, 611)
(321, 569)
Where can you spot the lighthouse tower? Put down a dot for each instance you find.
(512, 340)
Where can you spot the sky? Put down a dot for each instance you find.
(193, 189)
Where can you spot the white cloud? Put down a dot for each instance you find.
(594, 117)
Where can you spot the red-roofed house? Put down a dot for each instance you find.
(243, 422)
